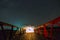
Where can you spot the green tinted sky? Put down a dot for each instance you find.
(20, 12)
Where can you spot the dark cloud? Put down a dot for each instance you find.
(20, 12)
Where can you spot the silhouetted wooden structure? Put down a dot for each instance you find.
(51, 24)
(3, 33)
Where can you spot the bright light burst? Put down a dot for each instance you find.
(29, 30)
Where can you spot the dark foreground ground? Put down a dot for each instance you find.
(9, 35)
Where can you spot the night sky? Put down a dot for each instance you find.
(30, 12)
